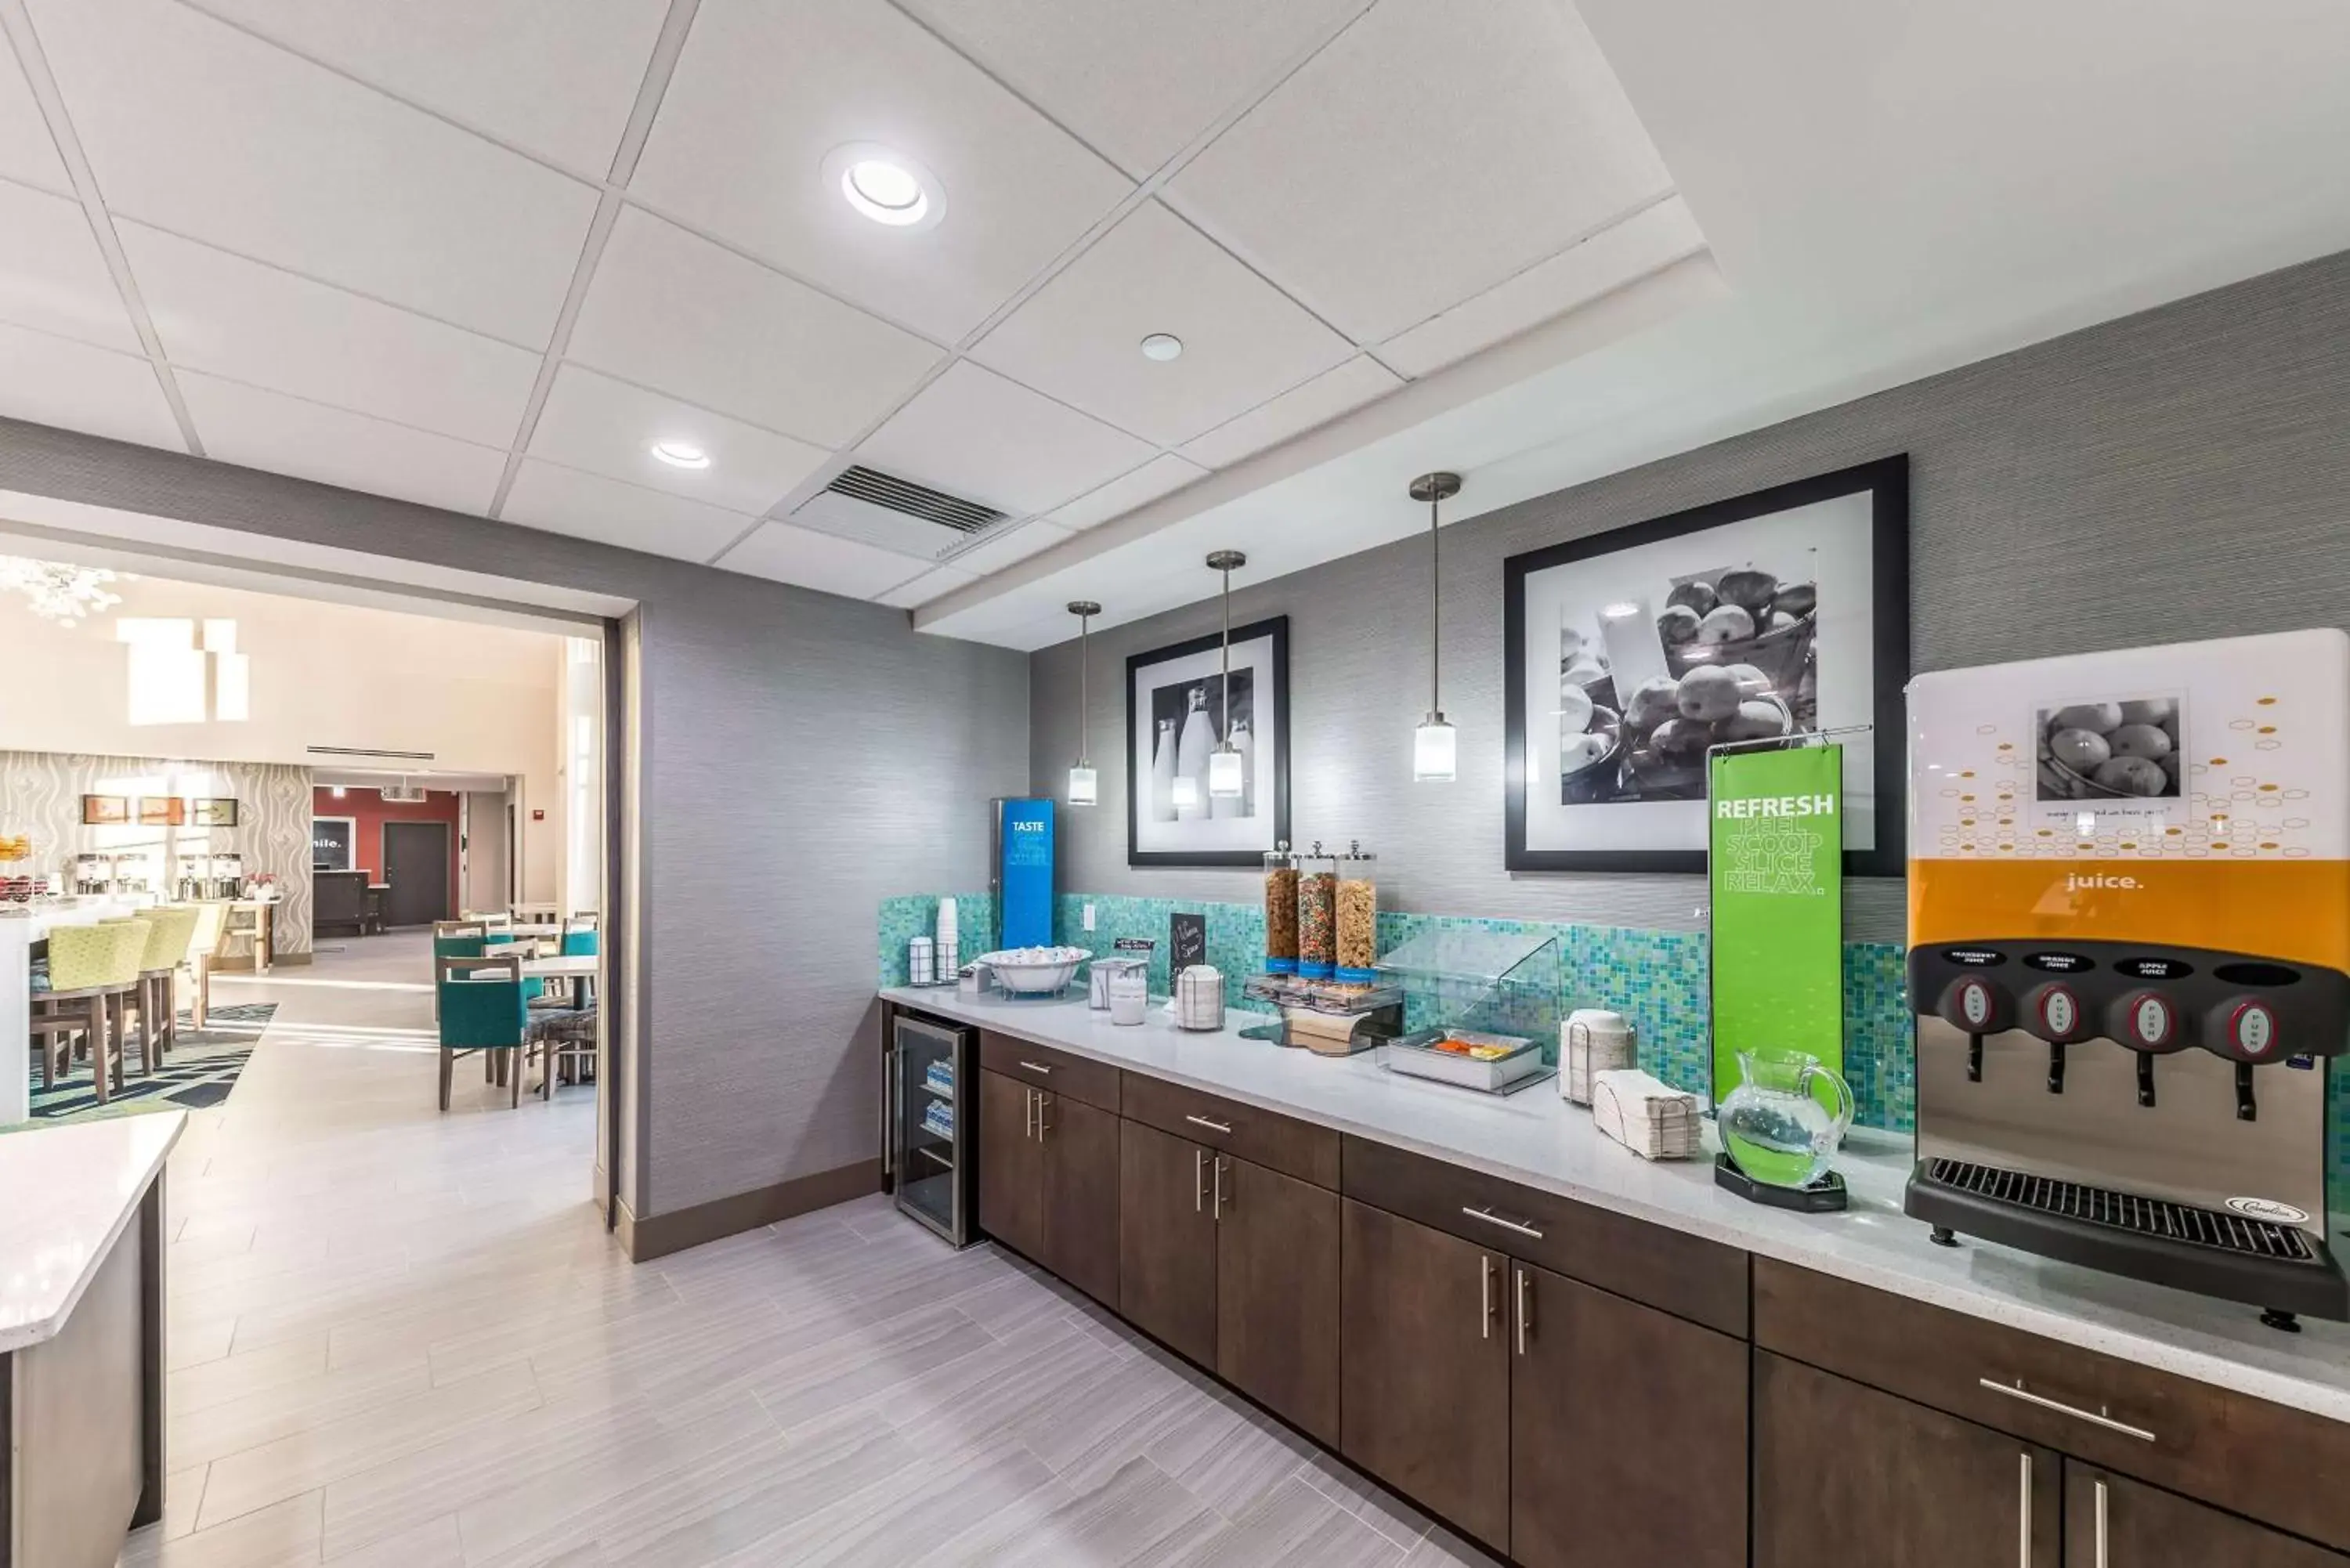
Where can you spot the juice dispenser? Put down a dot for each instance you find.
(2129, 956)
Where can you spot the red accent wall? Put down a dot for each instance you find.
(372, 811)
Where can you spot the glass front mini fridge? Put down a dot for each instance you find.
(930, 1101)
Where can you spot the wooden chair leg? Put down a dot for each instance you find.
(515, 1075)
(98, 1021)
(448, 1071)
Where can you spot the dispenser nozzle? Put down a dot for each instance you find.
(2247, 1108)
(2056, 1068)
(2146, 1080)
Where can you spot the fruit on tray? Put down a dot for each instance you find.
(1483, 1053)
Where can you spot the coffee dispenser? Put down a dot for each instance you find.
(2129, 956)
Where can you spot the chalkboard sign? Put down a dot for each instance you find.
(1187, 942)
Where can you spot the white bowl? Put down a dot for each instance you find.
(1029, 972)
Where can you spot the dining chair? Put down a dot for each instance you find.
(170, 928)
(212, 923)
(92, 971)
(580, 935)
(454, 938)
(560, 1035)
(481, 1010)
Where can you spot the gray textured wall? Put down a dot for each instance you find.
(802, 757)
(2180, 473)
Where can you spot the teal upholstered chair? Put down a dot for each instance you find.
(482, 1008)
(579, 937)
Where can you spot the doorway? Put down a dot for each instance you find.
(416, 864)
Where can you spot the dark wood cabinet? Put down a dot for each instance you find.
(1844, 1473)
(1079, 1145)
(1425, 1359)
(1010, 1166)
(1276, 1285)
(1167, 1241)
(1610, 1399)
(2112, 1522)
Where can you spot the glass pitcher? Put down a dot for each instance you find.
(1772, 1125)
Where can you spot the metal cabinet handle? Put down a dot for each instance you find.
(1027, 1113)
(1484, 1297)
(1044, 1104)
(888, 1109)
(2103, 1559)
(2097, 1418)
(1036, 1067)
(1220, 1198)
(1525, 1307)
(1489, 1218)
(2023, 1501)
(1204, 1122)
(1199, 1181)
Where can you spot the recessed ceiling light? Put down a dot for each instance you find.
(1162, 347)
(680, 454)
(886, 186)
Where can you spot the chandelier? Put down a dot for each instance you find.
(61, 593)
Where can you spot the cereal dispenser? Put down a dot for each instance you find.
(2129, 956)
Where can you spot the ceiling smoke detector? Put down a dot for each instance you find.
(1162, 347)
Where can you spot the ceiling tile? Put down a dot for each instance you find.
(933, 584)
(199, 129)
(1138, 79)
(26, 151)
(607, 427)
(1158, 477)
(974, 434)
(763, 90)
(255, 429)
(52, 277)
(1359, 380)
(1014, 544)
(55, 381)
(591, 507)
(1432, 150)
(785, 553)
(1643, 243)
(256, 324)
(670, 310)
(1079, 338)
(557, 78)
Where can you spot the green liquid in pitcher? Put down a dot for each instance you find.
(1772, 1166)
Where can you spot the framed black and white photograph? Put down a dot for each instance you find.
(1630, 653)
(1177, 713)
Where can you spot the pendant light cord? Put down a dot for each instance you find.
(1227, 737)
(1435, 612)
(1085, 689)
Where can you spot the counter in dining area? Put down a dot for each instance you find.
(82, 1247)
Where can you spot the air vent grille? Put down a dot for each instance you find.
(369, 751)
(874, 487)
(2122, 1211)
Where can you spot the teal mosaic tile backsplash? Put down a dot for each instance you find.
(1656, 979)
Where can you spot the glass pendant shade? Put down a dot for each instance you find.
(1433, 751)
(1224, 772)
(1083, 785)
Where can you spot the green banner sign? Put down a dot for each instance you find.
(1776, 862)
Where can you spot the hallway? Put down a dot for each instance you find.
(403, 1339)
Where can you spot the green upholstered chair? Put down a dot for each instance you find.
(580, 936)
(170, 930)
(453, 938)
(92, 970)
(481, 1010)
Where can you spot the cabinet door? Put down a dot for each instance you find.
(1167, 1241)
(1426, 1367)
(1080, 1159)
(1610, 1399)
(1277, 1292)
(2112, 1523)
(1011, 1173)
(1845, 1474)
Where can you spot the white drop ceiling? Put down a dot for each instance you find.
(482, 254)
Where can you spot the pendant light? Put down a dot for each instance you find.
(1432, 745)
(1083, 784)
(1225, 769)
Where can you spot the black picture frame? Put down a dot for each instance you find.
(1277, 630)
(1887, 481)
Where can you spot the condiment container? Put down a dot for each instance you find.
(1593, 1039)
(1129, 993)
(1317, 915)
(1280, 909)
(1358, 922)
(1199, 998)
(1104, 970)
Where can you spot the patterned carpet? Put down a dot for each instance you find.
(197, 1072)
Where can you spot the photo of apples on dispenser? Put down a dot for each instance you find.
(1729, 655)
(2127, 750)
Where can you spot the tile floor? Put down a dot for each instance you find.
(400, 1338)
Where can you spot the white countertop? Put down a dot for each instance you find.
(67, 1194)
(1537, 1138)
